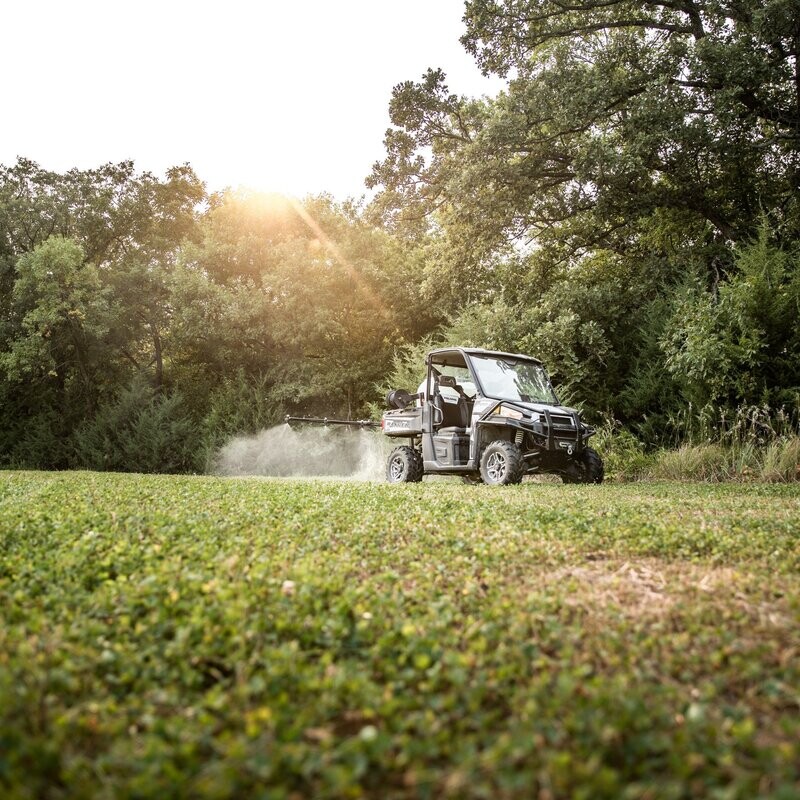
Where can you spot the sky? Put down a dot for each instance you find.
(287, 97)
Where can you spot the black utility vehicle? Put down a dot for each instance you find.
(487, 416)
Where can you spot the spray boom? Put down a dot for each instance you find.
(297, 422)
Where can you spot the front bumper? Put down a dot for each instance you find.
(561, 432)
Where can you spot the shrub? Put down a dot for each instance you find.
(141, 431)
(241, 404)
(623, 454)
(36, 442)
(740, 343)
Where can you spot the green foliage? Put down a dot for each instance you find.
(63, 314)
(142, 431)
(36, 441)
(625, 458)
(198, 637)
(313, 305)
(586, 322)
(298, 303)
(239, 405)
(741, 344)
(606, 212)
(111, 211)
(617, 112)
(82, 306)
(554, 228)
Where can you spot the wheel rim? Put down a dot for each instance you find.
(496, 467)
(396, 467)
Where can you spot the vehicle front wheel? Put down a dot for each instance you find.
(404, 466)
(587, 468)
(501, 463)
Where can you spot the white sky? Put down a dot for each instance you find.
(278, 96)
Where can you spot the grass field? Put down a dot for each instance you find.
(206, 637)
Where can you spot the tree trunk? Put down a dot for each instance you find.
(157, 357)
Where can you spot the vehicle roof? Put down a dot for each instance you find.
(479, 351)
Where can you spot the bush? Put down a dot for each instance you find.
(35, 442)
(739, 344)
(239, 405)
(141, 431)
(623, 454)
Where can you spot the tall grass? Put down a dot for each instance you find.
(710, 444)
(778, 461)
(753, 424)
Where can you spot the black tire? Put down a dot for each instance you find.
(588, 468)
(404, 465)
(501, 463)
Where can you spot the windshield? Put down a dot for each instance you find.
(511, 379)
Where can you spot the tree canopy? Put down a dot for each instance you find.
(614, 111)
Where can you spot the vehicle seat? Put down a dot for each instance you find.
(455, 416)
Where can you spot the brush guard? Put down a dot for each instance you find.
(299, 422)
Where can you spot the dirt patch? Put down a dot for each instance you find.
(650, 588)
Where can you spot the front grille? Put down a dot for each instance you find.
(562, 433)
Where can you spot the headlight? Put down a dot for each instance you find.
(507, 411)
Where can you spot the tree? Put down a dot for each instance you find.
(110, 211)
(636, 147)
(615, 111)
(64, 316)
(128, 224)
(305, 298)
(740, 344)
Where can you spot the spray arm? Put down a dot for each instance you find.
(296, 422)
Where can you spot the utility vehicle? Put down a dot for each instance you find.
(487, 416)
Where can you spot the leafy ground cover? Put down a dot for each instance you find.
(205, 637)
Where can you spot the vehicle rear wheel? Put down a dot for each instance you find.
(404, 465)
(587, 468)
(501, 463)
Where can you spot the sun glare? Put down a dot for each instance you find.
(272, 204)
(331, 246)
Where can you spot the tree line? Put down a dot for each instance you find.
(143, 320)
(626, 210)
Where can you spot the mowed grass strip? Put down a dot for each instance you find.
(201, 637)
